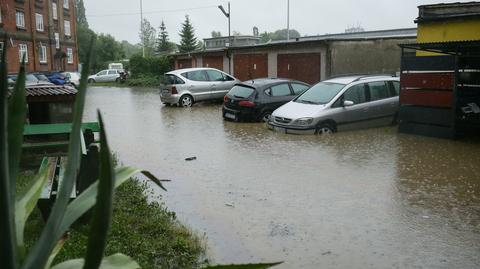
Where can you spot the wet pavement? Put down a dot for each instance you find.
(361, 199)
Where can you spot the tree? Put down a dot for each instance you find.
(278, 35)
(130, 49)
(216, 34)
(164, 46)
(84, 35)
(107, 50)
(147, 37)
(80, 10)
(188, 41)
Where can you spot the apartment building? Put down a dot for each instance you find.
(42, 31)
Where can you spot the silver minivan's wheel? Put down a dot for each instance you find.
(91, 80)
(325, 128)
(186, 101)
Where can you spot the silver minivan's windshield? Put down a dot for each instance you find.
(321, 93)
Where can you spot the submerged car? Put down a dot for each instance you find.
(187, 86)
(342, 103)
(255, 100)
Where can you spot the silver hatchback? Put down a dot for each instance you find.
(344, 103)
(187, 86)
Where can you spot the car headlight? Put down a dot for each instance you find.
(303, 121)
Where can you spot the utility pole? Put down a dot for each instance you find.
(288, 20)
(227, 14)
(142, 30)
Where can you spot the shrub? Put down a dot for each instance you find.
(149, 66)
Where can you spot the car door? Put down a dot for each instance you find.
(101, 76)
(356, 115)
(278, 94)
(112, 75)
(218, 86)
(199, 85)
(383, 103)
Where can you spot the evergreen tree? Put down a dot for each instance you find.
(80, 10)
(188, 41)
(163, 45)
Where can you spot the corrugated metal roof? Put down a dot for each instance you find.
(49, 90)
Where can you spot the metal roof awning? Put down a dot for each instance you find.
(460, 48)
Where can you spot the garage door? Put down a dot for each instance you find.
(250, 66)
(213, 62)
(300, 66)
(184, 63)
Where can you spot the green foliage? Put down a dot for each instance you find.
(164, 46)
(80, 12)
(144, 81)
(148, 37)
(278, 35)
(188, 41)
(141, 67)
(130, 49)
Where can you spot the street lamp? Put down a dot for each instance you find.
(227, 14)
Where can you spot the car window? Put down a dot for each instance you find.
(320, 93)
(240, 91)
(112, 72)
(356, 94)
(196, 75)
(215, 75)
(172, 79)
(396, 87)
(228, 78)
(299, 88)
(102, 73)
(378, 90)
(280, 90)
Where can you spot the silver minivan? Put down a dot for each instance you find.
(342, 103)
(187, 86)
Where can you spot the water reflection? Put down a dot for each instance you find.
(362, 199)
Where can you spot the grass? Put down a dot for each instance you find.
(108, 84)
(147, 232)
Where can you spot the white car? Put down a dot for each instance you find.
(109, 75)
(73, 77)
(342, 103)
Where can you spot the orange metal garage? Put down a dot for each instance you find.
(250, 66)
(300, 66)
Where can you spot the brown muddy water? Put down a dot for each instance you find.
(361, 199)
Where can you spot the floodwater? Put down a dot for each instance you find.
(360, 199)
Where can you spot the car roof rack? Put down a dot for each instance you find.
(372, 76)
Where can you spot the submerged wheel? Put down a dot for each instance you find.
(117, 80)
(91, 80)
(186, 101)
(325, 128)
(265, 117)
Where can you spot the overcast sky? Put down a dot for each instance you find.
(121, 18)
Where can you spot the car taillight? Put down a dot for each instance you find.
(174, 90)
(246, 103)
(226, 99)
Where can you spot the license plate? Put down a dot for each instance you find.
(279, 129)
(230, 116)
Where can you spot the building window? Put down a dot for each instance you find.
(23, 52)
(57, 41)
(39, 21)
(69, 55)
(54, 11)
(1, 50)
(20, 17)
(43, 54)
(67, 28)
(65, 4)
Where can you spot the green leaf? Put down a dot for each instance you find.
(86, 199)
(116, 261)
(52, 232)
(17, 112)
(245, 266)
(55, 251)
(102, 216)
(8, 246)
(26, 202)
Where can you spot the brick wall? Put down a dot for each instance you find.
(35, 39)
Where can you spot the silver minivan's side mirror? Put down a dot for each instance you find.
(348, 103)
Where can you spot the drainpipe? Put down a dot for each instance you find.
(50, 34)
(34, 34)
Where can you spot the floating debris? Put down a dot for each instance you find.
(190, 158)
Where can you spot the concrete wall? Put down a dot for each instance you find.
(365, 57)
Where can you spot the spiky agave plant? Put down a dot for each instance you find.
(14, 211)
